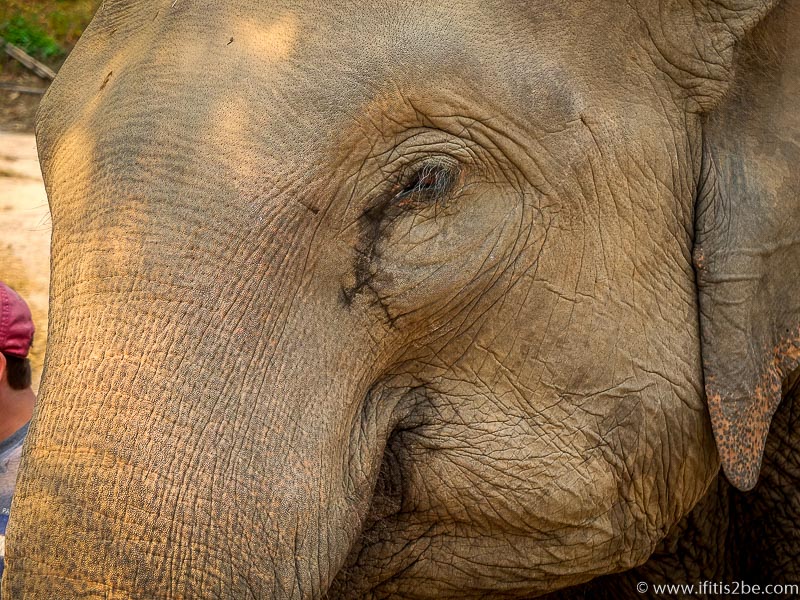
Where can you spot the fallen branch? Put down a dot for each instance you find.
(22, 89)
(28, 61)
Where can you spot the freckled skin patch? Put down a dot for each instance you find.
(740, 424)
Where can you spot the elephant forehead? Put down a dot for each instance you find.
(324, 63)
(266, 89)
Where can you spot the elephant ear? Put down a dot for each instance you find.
(747, 242)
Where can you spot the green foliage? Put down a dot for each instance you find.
(27, 35)
(47, 29)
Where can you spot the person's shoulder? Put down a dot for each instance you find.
(14, 441)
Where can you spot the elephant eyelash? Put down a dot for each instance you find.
(429, 184)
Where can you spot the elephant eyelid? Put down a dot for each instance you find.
(427, 184)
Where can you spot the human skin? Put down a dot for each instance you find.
(401, 299)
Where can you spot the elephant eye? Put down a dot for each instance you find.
(429, 184)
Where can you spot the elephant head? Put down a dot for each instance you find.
(417, 299)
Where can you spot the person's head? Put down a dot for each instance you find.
(16, 337)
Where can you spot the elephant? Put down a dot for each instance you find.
(418, 300)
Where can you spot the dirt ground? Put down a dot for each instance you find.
(25, 232)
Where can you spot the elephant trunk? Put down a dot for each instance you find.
(175, 453)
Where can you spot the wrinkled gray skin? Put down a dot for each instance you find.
(416, 300)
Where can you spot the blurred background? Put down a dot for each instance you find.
(35, 38)
(46, 30)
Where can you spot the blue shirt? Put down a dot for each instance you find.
(10, 453)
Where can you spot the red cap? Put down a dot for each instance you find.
(16, 324)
